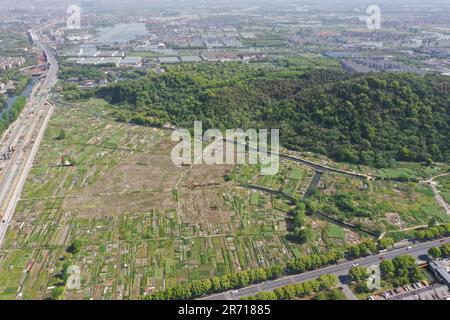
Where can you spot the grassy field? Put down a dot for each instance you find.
(143, 223)
(146, 224)
(310, 60)
(382, 205)
(291, 179)
(334, 231)
(443, 185)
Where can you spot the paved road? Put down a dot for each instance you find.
(25, 135)
(341, 269)
(348, 292)
(51, 76)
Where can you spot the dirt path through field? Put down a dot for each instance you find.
(438, 196)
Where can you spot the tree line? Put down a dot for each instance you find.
(301, 231)
(20, 80)
(440, 252)
(435, 232)
(398, 271)
(10, 115)
(365, 119)
(401, 270)
(323, 284)
(198, 288)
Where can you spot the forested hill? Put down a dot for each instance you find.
(368, 119)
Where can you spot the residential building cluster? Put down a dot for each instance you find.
(375, 64)
(422, 290)
(11, 62)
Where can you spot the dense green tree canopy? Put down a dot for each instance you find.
(401, 270)
(358, 273)
(367, 119)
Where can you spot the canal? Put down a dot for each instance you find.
(25, 93)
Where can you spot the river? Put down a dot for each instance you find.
(26, 93)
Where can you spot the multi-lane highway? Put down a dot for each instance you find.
(416, 250)
(23, 137)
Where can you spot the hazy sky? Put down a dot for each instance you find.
(230, 2)
(42, 6)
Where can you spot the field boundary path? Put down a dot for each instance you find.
(436, 192)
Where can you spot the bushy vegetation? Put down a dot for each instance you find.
(20, 80)
(357, 274)
(74, 247)
(401, 270)
(320, 289)
(362, 249)
(314, 261)
(2, 101)
(440, 252)
(10, 115)
(368, 119)
(301, 230)
(198, 288)
(359, 277)
(343, 205)
(365, 206)
(385, 243)
(82, 72)
(435, 232)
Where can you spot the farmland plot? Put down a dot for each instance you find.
(143, 222)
